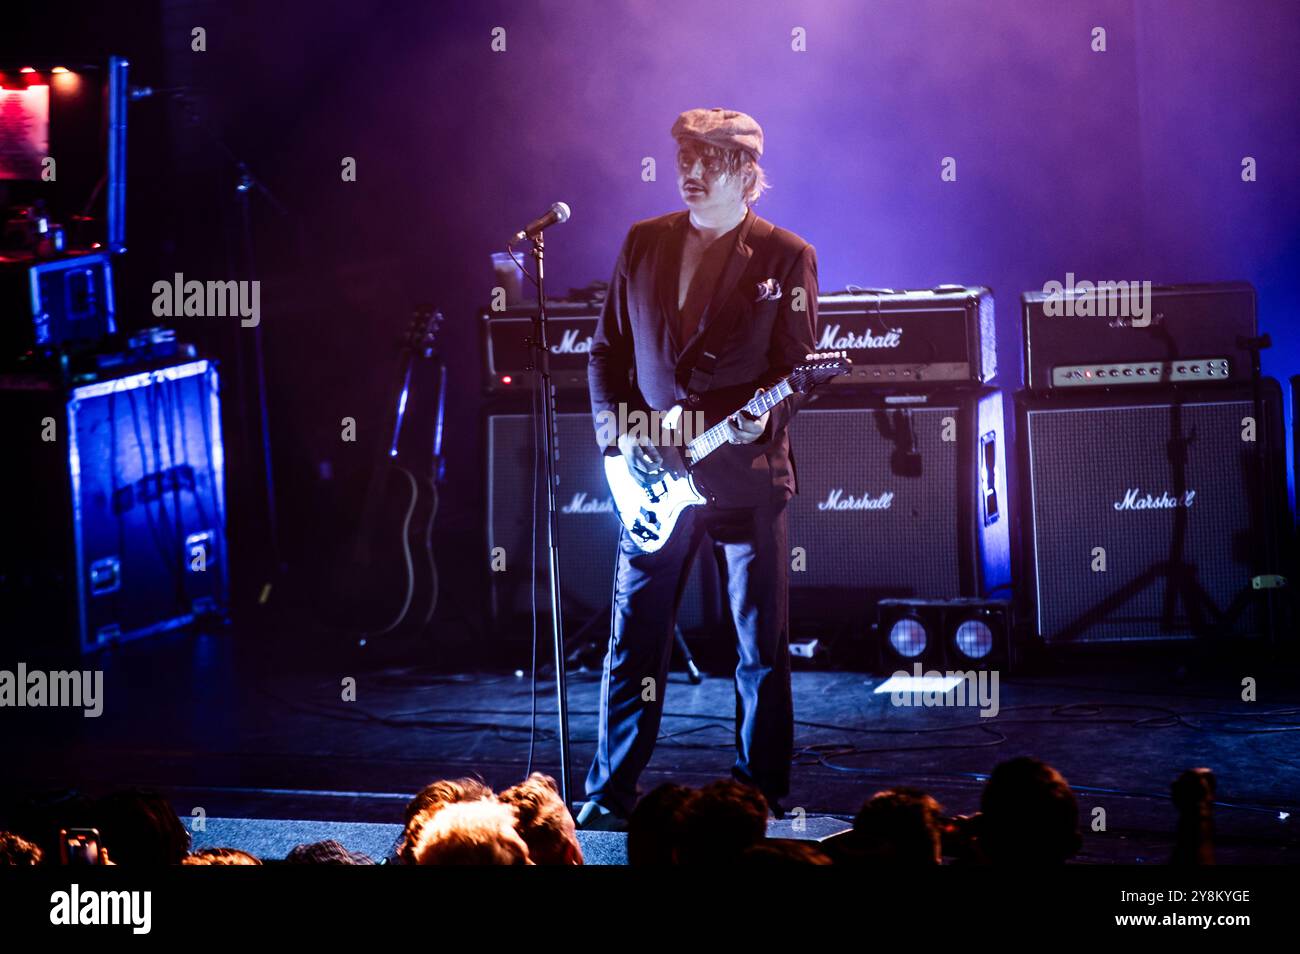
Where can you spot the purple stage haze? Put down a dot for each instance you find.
(1116, 165)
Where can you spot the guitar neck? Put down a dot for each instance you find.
(716, 436)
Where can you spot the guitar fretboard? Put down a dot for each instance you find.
(716, 436)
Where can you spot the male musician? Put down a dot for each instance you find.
(682, 280)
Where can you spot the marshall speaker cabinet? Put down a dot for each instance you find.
(569, 330)
(589, 530)
(1142, 518)
(899, 496)
(937, 337)
(117, 508)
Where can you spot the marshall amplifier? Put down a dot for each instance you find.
(903, 498)
(589, 530)
(569, 327)
(1122, 334)
(117, 519)
(910, 339)
(1124, 544)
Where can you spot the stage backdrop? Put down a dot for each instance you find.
(1122, 163)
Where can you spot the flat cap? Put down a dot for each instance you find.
(724, 128)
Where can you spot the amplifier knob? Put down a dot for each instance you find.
(1128, 372)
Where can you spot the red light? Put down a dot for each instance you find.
(28, 69)
(506, 379)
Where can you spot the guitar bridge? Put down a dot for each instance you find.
(644, 533)
(641, 529)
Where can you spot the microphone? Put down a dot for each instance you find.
(559, 212)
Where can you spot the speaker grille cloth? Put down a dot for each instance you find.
(1088, 467)
(906, 543)
(589, 528)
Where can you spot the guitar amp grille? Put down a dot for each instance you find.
(589, 530)
(910, 503)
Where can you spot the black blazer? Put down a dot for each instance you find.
(636, 359)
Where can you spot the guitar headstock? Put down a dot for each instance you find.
(422, 333)
(820, 368)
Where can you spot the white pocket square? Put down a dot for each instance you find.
(769, 290)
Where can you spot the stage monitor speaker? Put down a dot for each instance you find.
(899, 496)
(959, 634)
(1122, 548)
(118, 512)
(589, 531)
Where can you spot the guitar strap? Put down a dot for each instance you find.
(717, 332)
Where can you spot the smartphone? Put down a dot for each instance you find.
(79, 846)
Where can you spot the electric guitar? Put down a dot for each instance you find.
(650, 513)
(389, 577)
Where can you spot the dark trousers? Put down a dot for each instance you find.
(647, 592)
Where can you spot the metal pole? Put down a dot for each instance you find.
(553, 515)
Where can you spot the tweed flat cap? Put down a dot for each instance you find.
(724, 128)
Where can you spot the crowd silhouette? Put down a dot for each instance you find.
(1028, 816)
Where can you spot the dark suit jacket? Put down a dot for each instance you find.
(637, 361)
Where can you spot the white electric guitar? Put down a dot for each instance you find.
(651, 512)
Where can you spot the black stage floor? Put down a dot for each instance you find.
(241, 730)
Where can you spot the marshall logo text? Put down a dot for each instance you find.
(581, 503)
(836, 500)
(570, 343)
(832, 340)
(1134, 499)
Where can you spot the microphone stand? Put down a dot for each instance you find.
(543, 366)
(245, 185)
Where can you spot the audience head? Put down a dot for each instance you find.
(1028, 815)
(720, 821)
(480, 832)
(543, 821)
(431, 798)
(138, 827)
(655, 826)
(220, 856)
(327, 852)
(445, 792)
(16, 851)
(39, 818)
(897, 827)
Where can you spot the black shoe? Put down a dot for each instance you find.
(595, 817)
